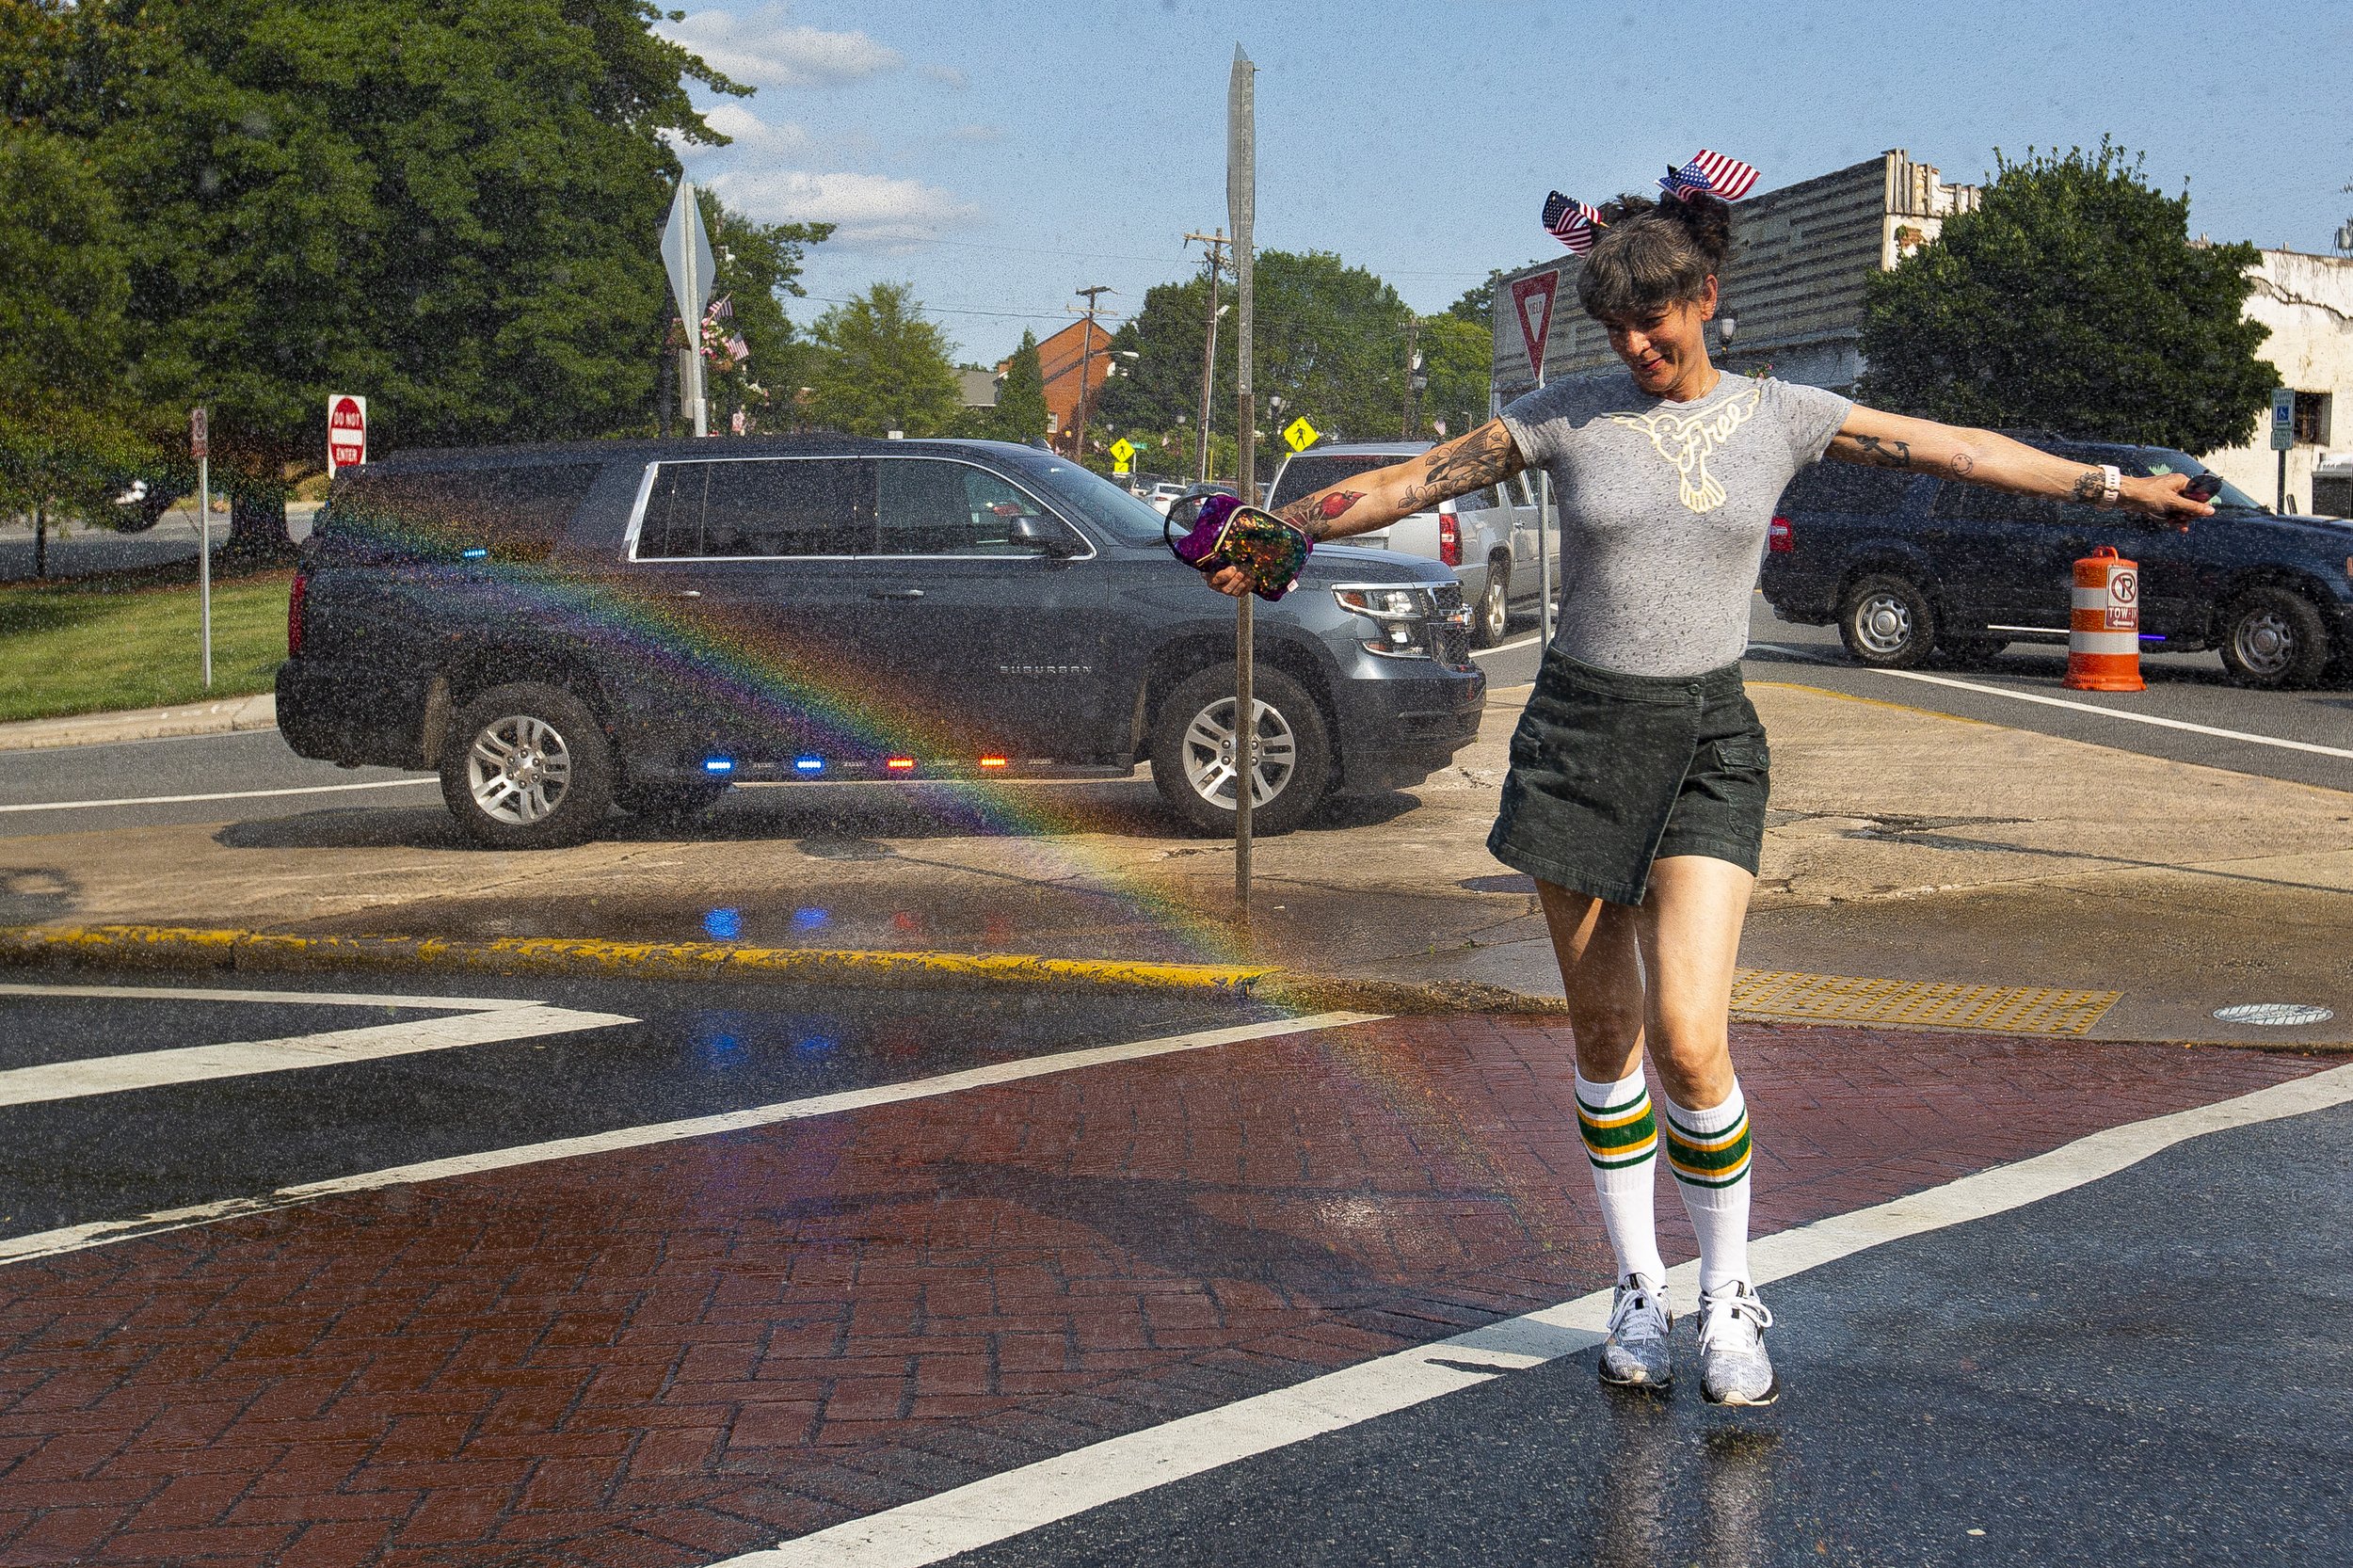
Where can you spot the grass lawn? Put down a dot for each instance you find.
(81, 647)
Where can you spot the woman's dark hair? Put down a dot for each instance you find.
(1652, 254)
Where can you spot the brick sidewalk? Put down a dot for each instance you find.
(668, 1355)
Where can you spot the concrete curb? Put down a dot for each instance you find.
(179, 948)
(230, 715)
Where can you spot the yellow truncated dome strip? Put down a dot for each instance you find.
(1918, 1003)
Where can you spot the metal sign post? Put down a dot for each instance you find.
(200, 448)
(2282, 435)
(1531, 300)
(686, 256)
(1241, 202)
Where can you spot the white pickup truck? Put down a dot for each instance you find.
(1488, 537)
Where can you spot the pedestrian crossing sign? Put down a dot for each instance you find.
(1123, 451)
(1300, 434)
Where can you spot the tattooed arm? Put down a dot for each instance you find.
(1364, 502)
(1879, 440)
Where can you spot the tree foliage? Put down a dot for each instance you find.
(1331, 343)
(452, 209)
(1020, 412)
(757, 266)
(884, 367)
(1459, 356)
(2073, 301)
(64, 429)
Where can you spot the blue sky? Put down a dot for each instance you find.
(1000, 154)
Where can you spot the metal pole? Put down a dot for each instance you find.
(1413, 368)
(1086, 358)
(2282, 507)
(1544, 514)
(695, 327)
(205, 557)
(1215, 245)
(1241, 200)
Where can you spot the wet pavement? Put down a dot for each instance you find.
(575, 1341)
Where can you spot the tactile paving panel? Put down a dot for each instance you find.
(1918, 1003)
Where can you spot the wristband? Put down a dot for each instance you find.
(2111, 480)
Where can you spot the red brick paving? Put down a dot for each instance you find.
(668, 1355)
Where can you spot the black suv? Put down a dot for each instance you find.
(560, 629)
(1911, 565)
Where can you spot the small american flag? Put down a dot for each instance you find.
(1727, 179)
(1570, 222)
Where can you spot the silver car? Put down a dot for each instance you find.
(1488, 537)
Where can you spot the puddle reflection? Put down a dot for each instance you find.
(1660, 1474)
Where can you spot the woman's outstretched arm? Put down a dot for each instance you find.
(1379, 497)
(1878, 440)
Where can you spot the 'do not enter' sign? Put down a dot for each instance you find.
(346, 430)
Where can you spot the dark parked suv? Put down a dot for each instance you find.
(1911, 565)
(560, 629)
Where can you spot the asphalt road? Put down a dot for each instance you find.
(83, 551)
(2149, 1369)
(87, 1154)
(2260, 732)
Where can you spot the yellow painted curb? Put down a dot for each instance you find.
(175, 946)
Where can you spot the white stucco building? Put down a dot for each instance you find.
(2307, 301)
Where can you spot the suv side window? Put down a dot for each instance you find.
(756, 507)
(1977, 503)
(938, 507)
(1480, 500)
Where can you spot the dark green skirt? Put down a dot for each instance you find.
(1610, 771)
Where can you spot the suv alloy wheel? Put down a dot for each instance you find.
(1492, 615)
(2272, 636)
(1194, 752)
(1885, 621)
(527, 766)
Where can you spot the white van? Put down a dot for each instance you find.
(1488, 537)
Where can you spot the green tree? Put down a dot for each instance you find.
(1020, 412)
(1459, 356)
(2072, 301)
(1331, 346)
(1477, 304)
(66, 435)
(885, 367)
(448, 208)
(759, 264)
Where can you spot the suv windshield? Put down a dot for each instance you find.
(2160, 461)
(1306, 475)
(1123, 516)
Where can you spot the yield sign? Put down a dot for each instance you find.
(1532, 299)
(686, 256)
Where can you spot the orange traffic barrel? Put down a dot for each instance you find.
(2103, 630)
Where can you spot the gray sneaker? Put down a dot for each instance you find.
(1635, 1355)
(1734, 1367)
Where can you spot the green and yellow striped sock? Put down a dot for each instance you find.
(1709, 1152)
(1622, 1146)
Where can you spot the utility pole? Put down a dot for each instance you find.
(1215, 245)
(1241, 209)
(1414, 378)
(1086, 353)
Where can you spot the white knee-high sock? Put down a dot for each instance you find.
(1621, 1144)
(1708, 1152)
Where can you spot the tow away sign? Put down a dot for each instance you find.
(346, 431)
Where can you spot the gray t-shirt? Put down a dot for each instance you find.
(1663, 509)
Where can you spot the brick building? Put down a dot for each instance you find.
(1081, 348)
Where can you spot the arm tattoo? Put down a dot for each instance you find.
(1484, 457)
(1884, 453)
(1962, 464)
(1311, 513)
(2090, 485)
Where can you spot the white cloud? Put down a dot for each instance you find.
(752, 137)
(766, 49)
(872, 211)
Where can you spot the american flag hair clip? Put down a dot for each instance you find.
(1570, 222)
(1726, 179)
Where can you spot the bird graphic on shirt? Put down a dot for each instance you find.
(1687, 441)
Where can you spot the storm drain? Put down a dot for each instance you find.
(1918, 1003)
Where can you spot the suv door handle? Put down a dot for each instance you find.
(896, 593)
